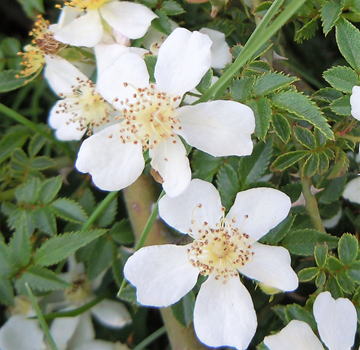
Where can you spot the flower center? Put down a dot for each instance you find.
(79, 292)
(149, 118)
(86, 4)
(220, 251)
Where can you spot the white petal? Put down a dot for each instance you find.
(61, 75)
(21, 333)
(258, 210)
(224, 314)
(112, 164)
(161, 274)
(220, 50)
(297, 335)
(200, 202)
(355, 102)
(62, 329)
(106, 55)
(131, 20)
(220, 128)
(111, 313)
(85, 30)
(84, 331)
(65, 130)
(352, 190)
(67, 15)
(271, 266)
(336, 321)
(183, 59)
(123, 67)
(333, 221)
(169, 159)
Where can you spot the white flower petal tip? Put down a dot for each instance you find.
(161, 274)
(130, 19)
(224, 314)
(355, 102)
(333, 221)
(111, 313)
(220, 128)
(297, 335)
(336, 321)
(169, 159)
(112, 164)
(271, 266)
(352, 190)
(183, 59)
(258, 210)
(220, 50)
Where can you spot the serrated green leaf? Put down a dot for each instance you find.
(228, 184)
(348, 248)
(44, 220)
(205, 81)
(162, 23)
(172, 8)
(14, 138)
(341, 106)
(341, 165)
(122, 233)
(303, 241)
(29, 191)
(36, 143)
(68, 210)
(286, 160)
(281, 127)
(20, 249)
(297, 312)
(341, 78)
(49, 189)
(307, 31)
(262, 110)
(241, 89)
(333, 287)
(6, 267)
(320, 279)
(150, 61)
(330, 13)
(58, 248)
(278, 233)
(108, 217)
(354, 272)
(305, 137)
(270, 82)
(334, 264)
(42, 163)
(308, 274)
(311, 165)
(348, 40)
(9, 82)
(320, 254)
(204, 165)
(305, 109)
(87, 201)
(6, 292)
(345, 282)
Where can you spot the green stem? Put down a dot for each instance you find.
(41, 319)
(150, 339)
(257, 39)
(311, 205)
(99, 210)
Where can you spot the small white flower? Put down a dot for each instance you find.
(352, 190)
(336, 321)
(83, 22)
(355, 102)
(151, 119)
(222, 247)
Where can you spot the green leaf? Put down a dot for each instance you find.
(108, 216)
(308, 274)
(305, 137)
(42, 163)
(62, 246)
(253, 167)
(49, 189)
(303, 241)
(311, 165)
(150, 61)
(307, 31)
(162, 23)
(333, 287)
(32, 7)
(9, 82)
(14, 138)
(262, 110)
(286, 160)
(172, 8)
(122, 233)
(281, 127)
(36, 143)
(305, 109)
(320, 254)
(341, 78)
(348, 40)
(241, 89)
(330, 13)
(41, 279)
(205, 81)
(6, 267)
(228, 184)
(297, 312)
(204, 165)
(340, 166)
(29, 191)
(341, 106)
(348, 248)
(334, 264)
(278, 233)
(354, 272)
(333, 190)
(270, 82)
(183, 310)
(6, 292)
(68, 210)
(45, 220)
(320, 279)
(20, 249)
(345, 282)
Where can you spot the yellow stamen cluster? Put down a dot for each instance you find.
(86, 4)
(86, 106)
(80, 290)
(149, 117)
(220, 251)
(43, 43)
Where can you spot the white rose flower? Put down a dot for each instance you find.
(83, 22)
(352, 190)
(355, 102)
(336, 322)
(222, 247)
(151, 119)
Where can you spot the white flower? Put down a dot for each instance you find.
(355, 102)
(151, 119)
(223, 246)
(352, 190)
(83, 22)
(101, 345)
(81, 108)
(333, 221)
(336, 322)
